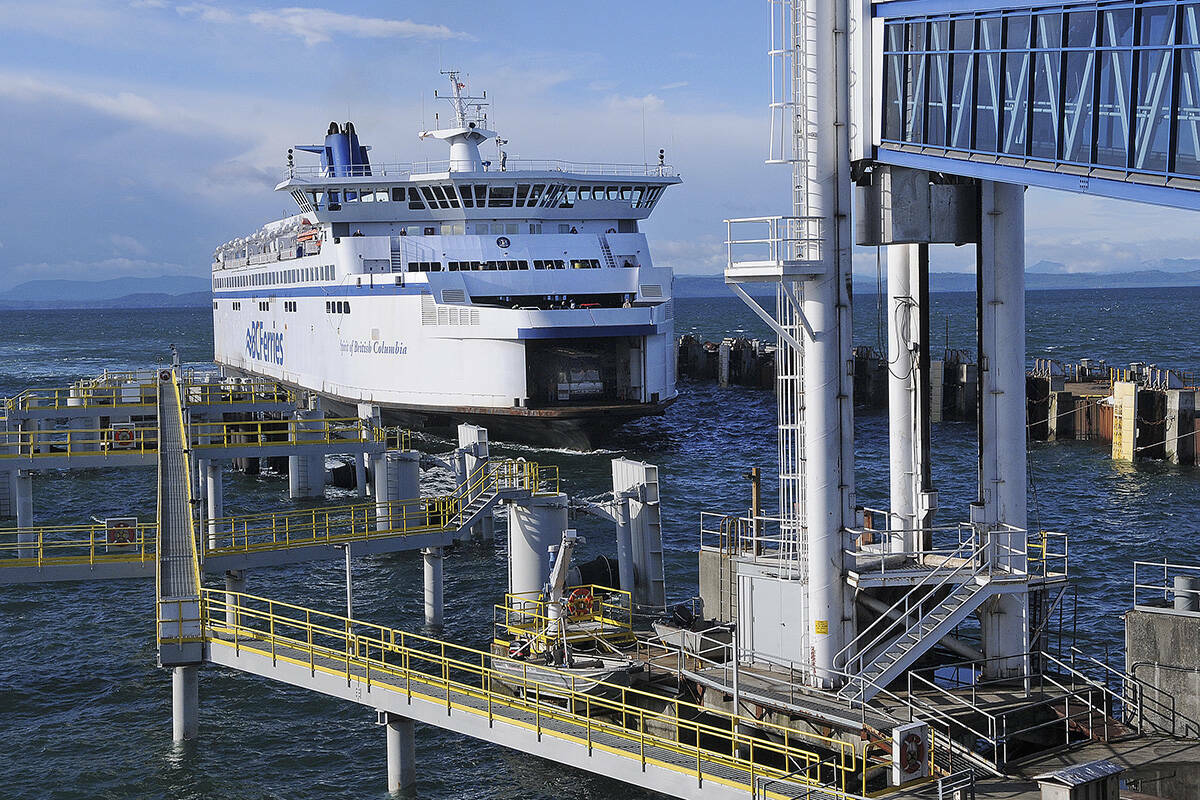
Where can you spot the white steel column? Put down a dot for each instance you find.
(433, 586)
(401, 754)
(235, 582)
(902, 366)
(1002, 453)
(214, 489)
(185, 703)
(23, 490)
(823, 183)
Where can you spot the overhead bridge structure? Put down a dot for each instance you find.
(1100, 98)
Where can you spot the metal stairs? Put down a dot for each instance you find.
(609, 261)
(474, 510)
(878, 658)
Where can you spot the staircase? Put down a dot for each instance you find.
(880, 657)
(474, 511)
(609, 261)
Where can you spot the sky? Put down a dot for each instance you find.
(139, 135)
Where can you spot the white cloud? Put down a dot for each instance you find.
(649, 102)
(320, 25)
(675, 85)
(128, 245)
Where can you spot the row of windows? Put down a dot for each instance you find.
(289, 305)
(484, 228)
(264, 305)
(482, 195)
(272, 277)
(337, 306)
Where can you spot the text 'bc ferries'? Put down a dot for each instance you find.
(517, 295)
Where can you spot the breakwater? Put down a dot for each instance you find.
(1142, 410)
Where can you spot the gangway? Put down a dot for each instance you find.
(660, 743)
(178, 564)
(84, 552)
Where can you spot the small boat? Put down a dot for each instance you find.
(583, 673)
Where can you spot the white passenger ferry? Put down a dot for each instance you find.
(516, 295)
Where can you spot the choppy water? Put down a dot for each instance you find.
(85, 713)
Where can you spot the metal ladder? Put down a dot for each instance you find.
(878, 660)
(609, 261)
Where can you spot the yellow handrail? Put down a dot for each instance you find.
(79, 544)
(460, 678)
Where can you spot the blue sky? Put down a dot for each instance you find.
(139, 135)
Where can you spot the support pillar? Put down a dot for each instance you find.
(401, 754)
(397, 477)
(433, 586)
(1002, 437)
(625, 545)
(235, 582)
(902, 365)
(23, 499)
(360, 474)
(215, 492)
(185, 703)
(306, 473)
(473, 443)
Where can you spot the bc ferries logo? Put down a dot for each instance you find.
(264, 345)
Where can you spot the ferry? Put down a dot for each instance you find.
(517, 295)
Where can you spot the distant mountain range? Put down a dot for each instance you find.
(1039, 276)
(188, 292)
(161, 292)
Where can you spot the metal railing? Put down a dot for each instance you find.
(143, 393)
(326, 430)
(708, 744)
(1161, 584)
(179, 620)
(761, 539)
(776, 240)
(404, 169)
(75, 544)
(597, 612)
(371, 520)
(74, 442)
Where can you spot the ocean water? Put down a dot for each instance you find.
(84, 713)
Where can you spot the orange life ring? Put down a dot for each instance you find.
(580, 601)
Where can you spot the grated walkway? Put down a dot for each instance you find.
(177, 567)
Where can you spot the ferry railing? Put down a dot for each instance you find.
(607, 613)
(709, 744)
(77, 442)
(75, 544)
(402, 169)
(1159, 585)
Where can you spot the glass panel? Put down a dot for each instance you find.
(939, 35)
(964, 32)
(1044, 141)
(1112, 134)
(893, 101)
(1077, 106)
(914, 92)
(938, 66)
(1187, 115)
(1153, 110)
(894, 41)
(987, 103)
(1049, 30)
(1081, 28)
(1156, 28)
(959, 135)
(1189, 19)
(1016, 102)
(989, 33)
(1016, 32)
(916, 36)
(1116, 27)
